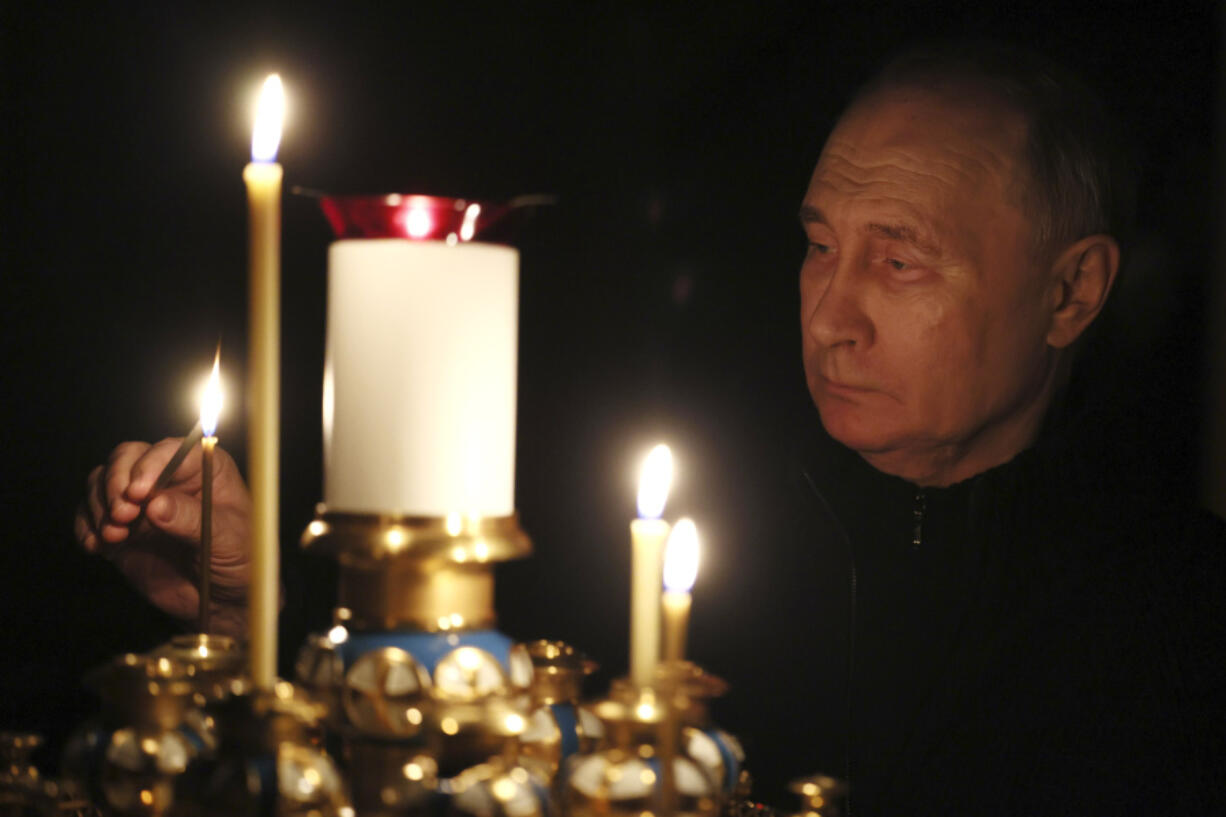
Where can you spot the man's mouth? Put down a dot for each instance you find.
(840, 385)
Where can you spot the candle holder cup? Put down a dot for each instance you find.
(558, 727)
(820, 796)
(150, 728)
(269, 761)
(719, 752)
(638, 767)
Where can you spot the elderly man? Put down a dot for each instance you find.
(1024, 630)
(1003, 622)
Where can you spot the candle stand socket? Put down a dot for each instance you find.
(639, 768)
(558, 727)
(268, 763)
(209, 662)
(422, 689)
(717, 751)
(820, 796)
(151, 727)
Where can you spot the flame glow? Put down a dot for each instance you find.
(654, 481)
(270, 113)
(210, 404)
(469, 227)
(681, 557)
(418, 222)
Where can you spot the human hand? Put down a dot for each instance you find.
(155, 541)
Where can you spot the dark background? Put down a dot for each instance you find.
(658, 296)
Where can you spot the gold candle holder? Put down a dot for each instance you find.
(420, 686)
(209, 662)
(820, 796)
(268, 761)
(558, 727)
(428, 574)
(642, 731)
(150, 728)
(558, 672)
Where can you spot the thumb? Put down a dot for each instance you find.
(177, 514)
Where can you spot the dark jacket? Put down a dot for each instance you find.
(1044, 638)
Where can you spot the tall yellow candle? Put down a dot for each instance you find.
(680, 570)
(647, 536)
(263, 179)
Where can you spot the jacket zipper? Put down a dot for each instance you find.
(918, 511)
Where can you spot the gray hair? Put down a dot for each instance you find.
(1081, 174)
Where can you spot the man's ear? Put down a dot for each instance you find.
(1082, 276)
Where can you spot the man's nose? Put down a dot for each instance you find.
(836, 308)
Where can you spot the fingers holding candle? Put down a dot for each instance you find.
(117, 492)
(157, 551)
(168, 471)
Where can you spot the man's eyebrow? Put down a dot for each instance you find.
(896, 231)
(903, 232)
(809, 214)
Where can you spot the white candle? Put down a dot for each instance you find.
(680, 570)
(263, 179)
(420, 377)
(647, 536)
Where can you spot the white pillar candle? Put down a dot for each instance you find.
(420, 377)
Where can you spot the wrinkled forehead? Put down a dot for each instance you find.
(959, 136)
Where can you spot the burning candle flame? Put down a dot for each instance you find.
(266, 137)
(681, 557)
(654, 481)
(210, 405)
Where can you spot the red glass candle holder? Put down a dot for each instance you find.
(415, 217)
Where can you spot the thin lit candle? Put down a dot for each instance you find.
(647, 535)
(210, 410)
(168, 471)
(263, 179)
(680, 570)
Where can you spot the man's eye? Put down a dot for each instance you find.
(896, 264)
(818, 247)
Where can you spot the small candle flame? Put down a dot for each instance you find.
(654, 481)
(210, 405)
(681, 557)
(266, 137)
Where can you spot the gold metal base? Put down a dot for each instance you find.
(358, 538)
(277, 730)
(429, 574)
(558, 672)
(389, 778)
(210, 662)
(404, 594)
(144, 691)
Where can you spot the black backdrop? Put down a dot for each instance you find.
(657, 296)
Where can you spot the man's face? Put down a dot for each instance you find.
(923, 312)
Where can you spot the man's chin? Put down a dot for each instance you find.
(851, 428)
